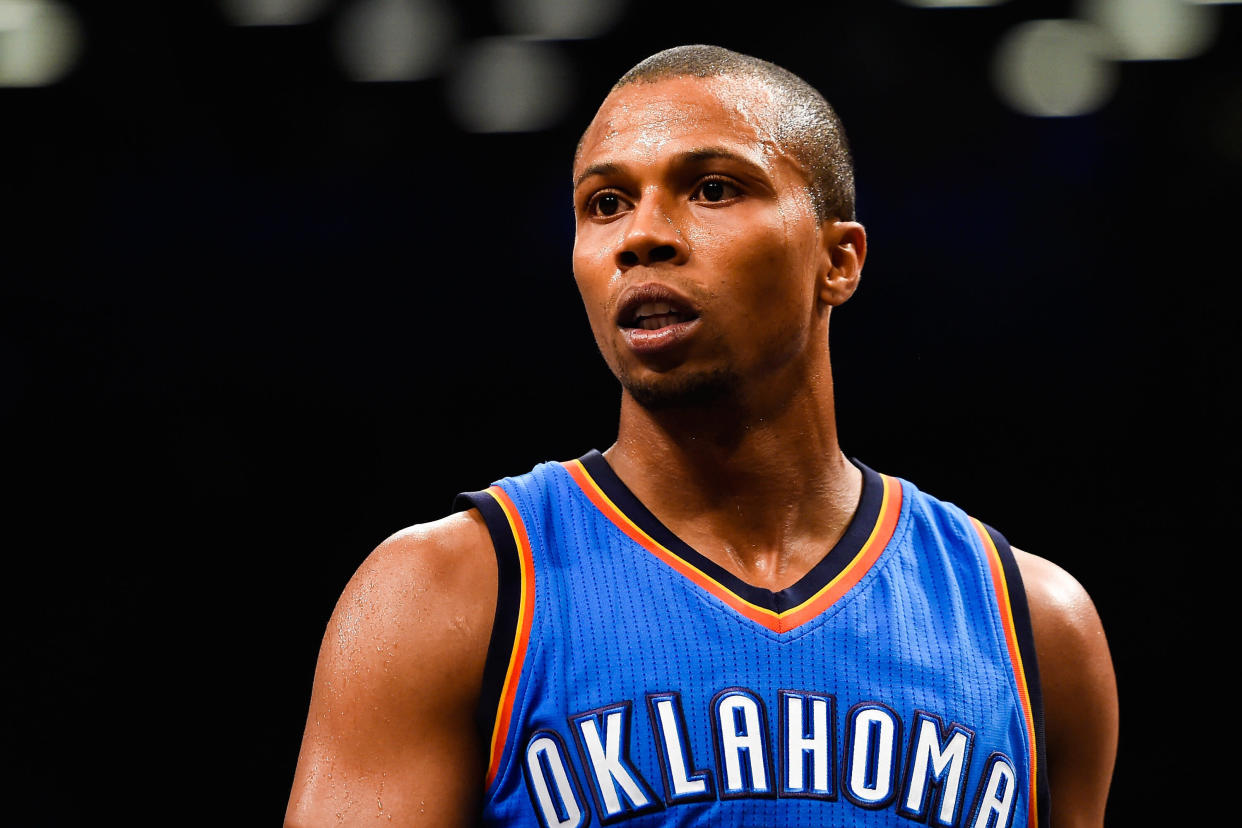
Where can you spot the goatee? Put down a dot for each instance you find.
(692, 391)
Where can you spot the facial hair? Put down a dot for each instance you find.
(699, 390)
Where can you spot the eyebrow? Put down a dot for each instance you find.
(693, 156)
(596, 169)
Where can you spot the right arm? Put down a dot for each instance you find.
(1079, 691)
(391, 735)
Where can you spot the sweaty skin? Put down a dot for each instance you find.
(755, 481)
(683, 197)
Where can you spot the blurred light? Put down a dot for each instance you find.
(394, 40)
(272, 12)
(1153, 29)
(40, 41)
(509, 85)
(1055, 68)
(953, 4)
(1213, 2)
(560, 19)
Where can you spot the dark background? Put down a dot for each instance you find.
(255, 317)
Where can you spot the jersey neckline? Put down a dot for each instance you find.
(865, 537)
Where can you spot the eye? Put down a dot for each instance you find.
(606, 204)
(715, 190)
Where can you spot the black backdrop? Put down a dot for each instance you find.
(256, 317)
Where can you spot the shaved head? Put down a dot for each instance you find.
(803, 122)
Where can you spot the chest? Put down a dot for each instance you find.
(646, 696)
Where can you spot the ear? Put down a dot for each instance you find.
(845, 249)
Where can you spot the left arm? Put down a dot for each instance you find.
(1079, 692)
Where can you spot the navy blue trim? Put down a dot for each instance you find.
(1030, 666)
(830, 566)
(508, 604)
(692, 774)
(847, 766)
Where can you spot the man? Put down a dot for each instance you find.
(721, 619)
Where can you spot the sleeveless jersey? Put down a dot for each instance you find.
(632, 680)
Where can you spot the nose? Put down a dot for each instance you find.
(651, 237)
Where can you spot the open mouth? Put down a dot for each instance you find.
(653, 306)
(651, 316)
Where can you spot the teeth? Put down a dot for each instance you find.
(653, 309)
(650, 323)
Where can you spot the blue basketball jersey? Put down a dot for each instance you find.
(632, 680)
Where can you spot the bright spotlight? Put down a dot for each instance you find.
(40, 41)
(1055, 68)
(394, 40)
(510, 85)
(1154, 29)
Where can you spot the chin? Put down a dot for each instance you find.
(687, 391)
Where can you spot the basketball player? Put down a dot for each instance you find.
(720, 620)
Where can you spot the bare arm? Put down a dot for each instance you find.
(1079, 690)
(391, 738)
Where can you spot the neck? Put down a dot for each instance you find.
(760, 487)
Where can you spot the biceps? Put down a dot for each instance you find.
(390, 734)
(391, 737)
(435, 779)
(367, 759)
(1080, 699)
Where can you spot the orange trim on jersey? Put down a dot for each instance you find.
(881, 534)
(1001, 586)
(526, 612)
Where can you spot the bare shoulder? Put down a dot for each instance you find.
(448, 563)
(390, 732)
(431, 588)
(1069, 635)
(1057, 600)
(1079, 691)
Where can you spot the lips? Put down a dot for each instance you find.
(653, 315)
(654, 319)
(651, 307)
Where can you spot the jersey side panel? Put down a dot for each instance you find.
(1015, 612)
(982, 599)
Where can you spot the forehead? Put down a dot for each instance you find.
(644, 122)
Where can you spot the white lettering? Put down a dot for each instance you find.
(559, 799)
(799, 746)
(996, 804)
(944, 763)
(872, 751)
(679, 772)
(606, 764)
(741, 730)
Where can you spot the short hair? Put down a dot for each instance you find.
(807, 125)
